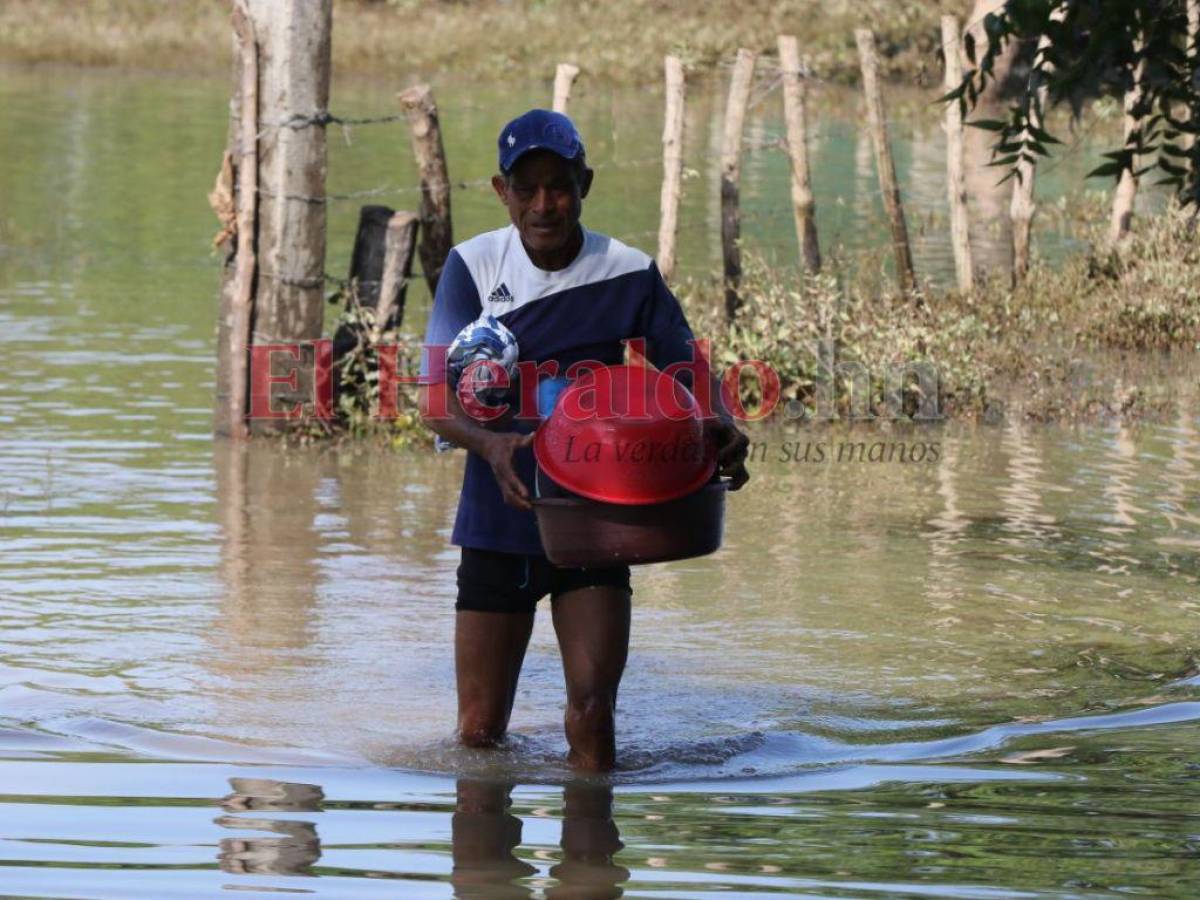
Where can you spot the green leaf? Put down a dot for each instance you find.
(955, 94)
(1044, 136)
(1105, 170)
(988, 124)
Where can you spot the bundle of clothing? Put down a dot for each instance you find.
(484, 339)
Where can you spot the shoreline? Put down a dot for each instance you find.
(619, 42)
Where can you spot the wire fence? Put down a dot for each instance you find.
(765, 63)
(769, 75)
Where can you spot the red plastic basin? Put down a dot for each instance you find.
(628, 435)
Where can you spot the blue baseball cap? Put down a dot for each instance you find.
(538, 129)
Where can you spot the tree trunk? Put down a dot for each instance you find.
(1023, 206)
(1193, 52)
(731, 170)
(1127, 184)
(672, 141)
(884, 165)
(999, 86)
(956, 185)
(294, 44)
(795, 114)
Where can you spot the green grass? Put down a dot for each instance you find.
(612, 40)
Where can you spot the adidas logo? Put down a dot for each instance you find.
(501, 294)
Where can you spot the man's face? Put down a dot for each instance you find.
(544, 197)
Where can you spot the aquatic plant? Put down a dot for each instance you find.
(1038, 350)
(356, 379)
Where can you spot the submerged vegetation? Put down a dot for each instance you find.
(1055, 349)
(618, 41)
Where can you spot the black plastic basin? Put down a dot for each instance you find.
(590, 534)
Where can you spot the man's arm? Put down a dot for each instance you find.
(732, 443)
(456, 304)
(444, 415)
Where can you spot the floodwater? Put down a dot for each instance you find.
(972, 675)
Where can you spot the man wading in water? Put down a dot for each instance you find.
(567, 294)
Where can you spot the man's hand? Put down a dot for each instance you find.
(498, 450)
(732, 447)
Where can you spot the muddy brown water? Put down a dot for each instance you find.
(972, 675)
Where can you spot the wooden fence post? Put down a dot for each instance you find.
(380, 266)
(399, 245)
(293, 37)
(672, 140)
(436, 231)
(1023, 206)
(366, 259)
(564, 78)
(795, 114)
(731, 170)
(884, 165)
(236, 206)
(956, 182)
(1127, 184)
(366, 272)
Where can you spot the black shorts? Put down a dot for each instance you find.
(490, 581)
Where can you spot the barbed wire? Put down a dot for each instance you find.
(768, 64)
(386, 190)
(324, 117)
(765, 92)
(382, 190)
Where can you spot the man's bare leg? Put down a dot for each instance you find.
(488, 651)
(592, 625)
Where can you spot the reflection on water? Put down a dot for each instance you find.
(1092, 817)
(485, 835)
(294, 853)
(1021, 497)
(269, 553)
(484, 841)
